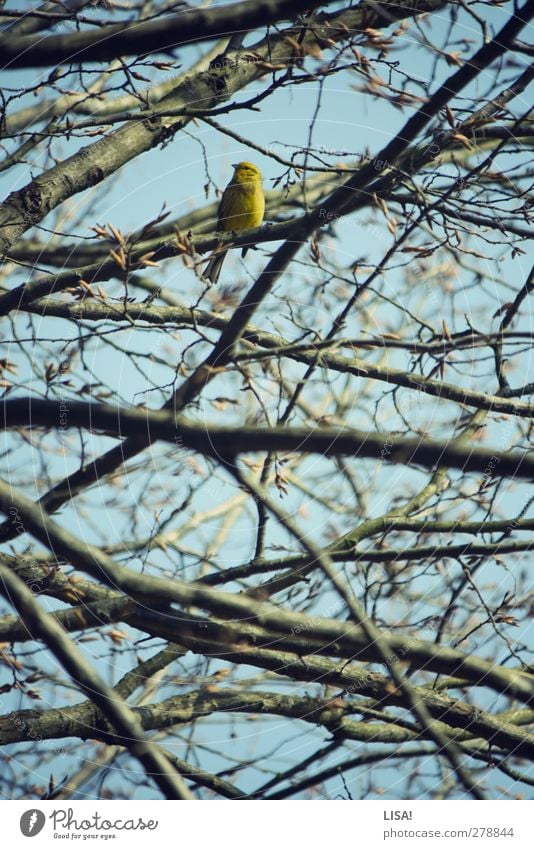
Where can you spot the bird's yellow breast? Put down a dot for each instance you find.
(245, 210)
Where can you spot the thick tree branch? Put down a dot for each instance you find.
(162, 35)
(349, 640)
(123, 721)
(223, 442)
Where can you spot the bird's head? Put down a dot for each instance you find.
(246, 172)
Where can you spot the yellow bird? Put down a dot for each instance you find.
(241, 208)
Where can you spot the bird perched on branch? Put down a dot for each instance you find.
(241, 208)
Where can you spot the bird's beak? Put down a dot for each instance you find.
(235, 165)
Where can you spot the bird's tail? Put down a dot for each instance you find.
(213, 268)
